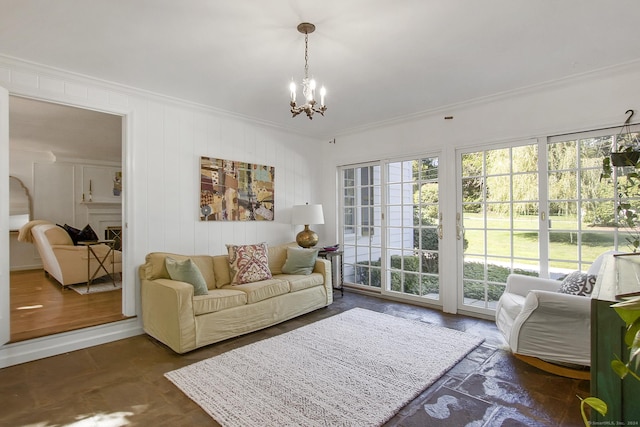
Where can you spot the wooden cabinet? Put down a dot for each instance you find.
(607, 340)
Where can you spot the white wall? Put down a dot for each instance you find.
(164, 139)
(591, 101)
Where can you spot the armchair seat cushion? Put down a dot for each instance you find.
(218, 300)
(262, 290)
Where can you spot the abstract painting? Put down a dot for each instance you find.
(235, 191)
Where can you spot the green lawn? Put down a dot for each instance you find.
(563, 244)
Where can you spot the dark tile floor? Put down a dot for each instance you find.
(122, 383)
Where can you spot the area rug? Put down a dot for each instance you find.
(358, 368)
(102, 284)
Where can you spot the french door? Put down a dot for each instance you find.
(498, 221)
(535, 207)
(390, 227)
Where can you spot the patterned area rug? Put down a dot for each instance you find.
(102, 284)
(358, 368)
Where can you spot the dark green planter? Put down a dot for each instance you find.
(625, 158)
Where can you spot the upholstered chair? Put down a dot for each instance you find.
(545, 327)
(67, 263)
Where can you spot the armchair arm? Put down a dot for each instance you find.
(522, 284)
(167, 313)
(556, 302)
(553, 327)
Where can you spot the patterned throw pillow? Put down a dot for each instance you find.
(248, 263)
(578, 283)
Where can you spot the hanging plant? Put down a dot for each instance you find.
(625, 155)
(625, 150)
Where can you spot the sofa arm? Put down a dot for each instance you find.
(167, 313)
(522, 284)
(323, 267)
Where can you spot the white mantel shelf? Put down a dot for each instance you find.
(101, 204)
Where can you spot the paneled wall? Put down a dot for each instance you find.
(164, 139)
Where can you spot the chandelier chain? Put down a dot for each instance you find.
(306, 55)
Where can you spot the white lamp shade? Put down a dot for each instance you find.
(307, 214)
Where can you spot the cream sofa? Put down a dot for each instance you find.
(173, 315)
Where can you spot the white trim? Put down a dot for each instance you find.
(5, 308)
(34, 349)
(60, 343)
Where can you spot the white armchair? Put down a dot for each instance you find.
(545, 328)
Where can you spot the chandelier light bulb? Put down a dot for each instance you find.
(323, 92)
(292, 89)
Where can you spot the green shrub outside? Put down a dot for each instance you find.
(369, 274)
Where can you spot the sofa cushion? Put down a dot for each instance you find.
(578, 283)
(155, 267)
(298, 282)
(300, 261)
(187, 271)
(85, 235)
(217, 300)
(264, 289)
(221, 270)
(277, 256)
(248, 263)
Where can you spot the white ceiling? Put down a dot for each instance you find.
(66, 132)
(379, 59)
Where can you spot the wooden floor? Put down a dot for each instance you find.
(122, 383)
(40, 307)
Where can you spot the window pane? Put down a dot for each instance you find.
(525, 159)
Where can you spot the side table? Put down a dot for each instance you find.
(91, 253)
(337, 275)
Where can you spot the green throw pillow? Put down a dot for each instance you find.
(187, 271)
(300, 261)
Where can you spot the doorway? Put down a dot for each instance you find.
(71, 160)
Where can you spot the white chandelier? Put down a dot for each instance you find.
(308, 85)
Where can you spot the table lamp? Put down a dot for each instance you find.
(305, 215)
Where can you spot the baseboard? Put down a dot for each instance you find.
(39, 348)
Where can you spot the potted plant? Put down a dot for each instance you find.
(626, 159)
(625, 150)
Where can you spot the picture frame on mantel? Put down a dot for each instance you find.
(235, 191)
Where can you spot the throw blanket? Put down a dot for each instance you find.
(24, 235)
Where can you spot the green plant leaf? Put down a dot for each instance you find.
(629, 310)
(596, 404)
(631, 335)
(620, 369)
(634, 352)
